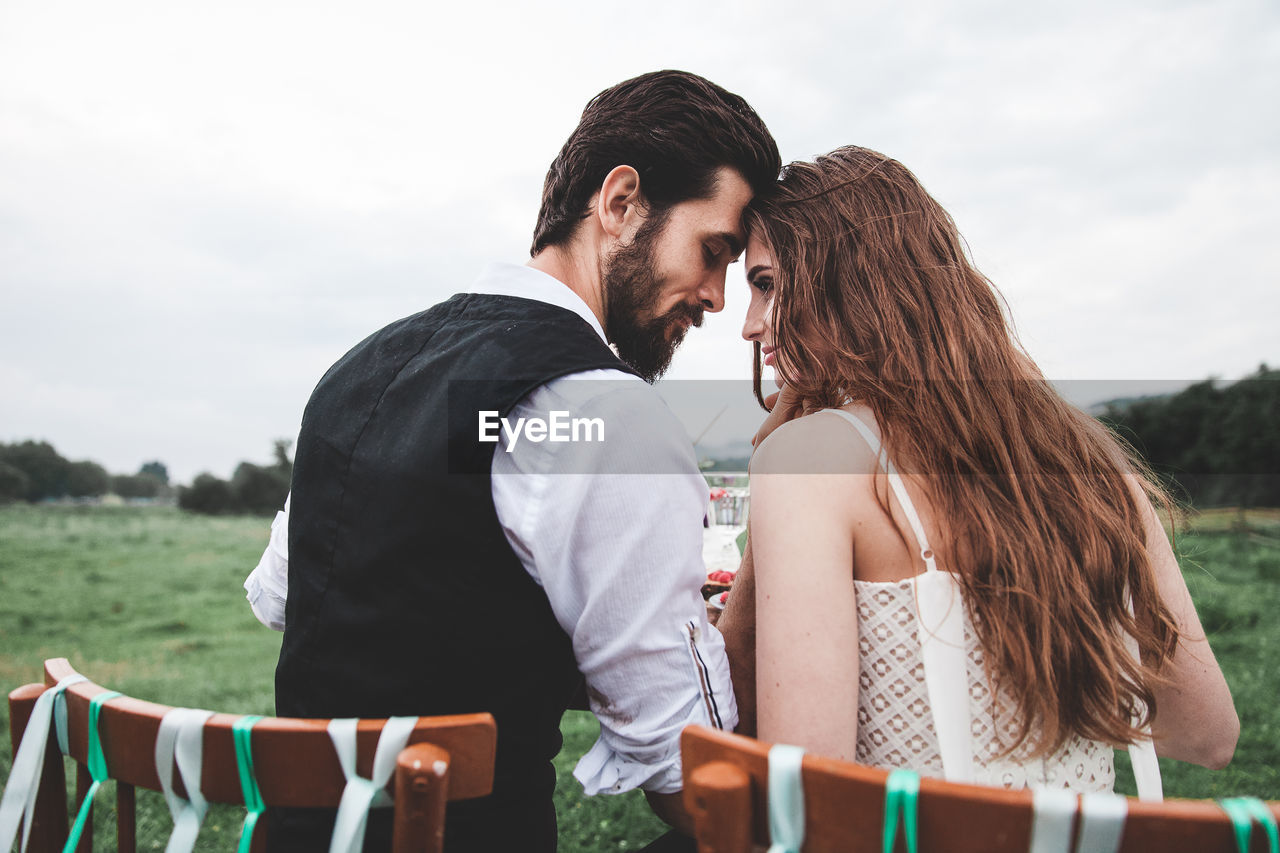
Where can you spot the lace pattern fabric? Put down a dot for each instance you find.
(895, 720)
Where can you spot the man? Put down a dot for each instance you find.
(438, 563)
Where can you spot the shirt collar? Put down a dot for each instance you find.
(500, 279)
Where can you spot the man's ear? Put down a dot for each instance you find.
(619, 203)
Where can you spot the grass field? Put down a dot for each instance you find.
(148, 601)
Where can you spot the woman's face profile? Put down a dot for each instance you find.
(758, 325)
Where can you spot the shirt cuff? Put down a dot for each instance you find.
(266, 605)
(604, 771)
(267, 586)
(619, 762)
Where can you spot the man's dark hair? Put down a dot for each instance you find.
(675, 128)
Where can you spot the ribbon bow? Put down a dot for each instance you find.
(361, 794)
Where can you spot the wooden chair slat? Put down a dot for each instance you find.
(422, 782)
(844, 807)
(126, 819)
(293, 758)
(448, 758)
(721, 801)
(83, 780)
(49, 825)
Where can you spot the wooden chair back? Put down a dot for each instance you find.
(726, 791)
(293, 759)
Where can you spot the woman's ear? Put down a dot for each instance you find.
(619, 205)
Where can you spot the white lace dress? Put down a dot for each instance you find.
(895, 720)
(914, 638)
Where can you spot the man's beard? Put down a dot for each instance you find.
(644, 341)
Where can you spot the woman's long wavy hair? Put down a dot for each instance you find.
(877, 302)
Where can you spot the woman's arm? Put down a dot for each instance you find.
(737, 624)
(738, 621)
(1195, 716)
(806, 617)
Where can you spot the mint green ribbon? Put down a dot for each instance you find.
(786, 799)
(901, 791)
(1244, 812)
(97, 768)
(242, 732)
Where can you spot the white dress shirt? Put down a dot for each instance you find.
(618, 553)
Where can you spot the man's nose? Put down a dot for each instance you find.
(711, 293)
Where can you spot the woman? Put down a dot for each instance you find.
(972, 614)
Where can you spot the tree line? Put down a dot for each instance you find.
(34, 471)
(258, 489)
(1212, 446)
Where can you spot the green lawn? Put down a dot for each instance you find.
(148, 601)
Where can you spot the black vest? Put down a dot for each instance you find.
(405, 597)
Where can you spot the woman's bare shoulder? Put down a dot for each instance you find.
(818, 443)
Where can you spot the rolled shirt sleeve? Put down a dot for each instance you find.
(267, 586)
(619, 554)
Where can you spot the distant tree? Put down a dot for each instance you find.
(207, 494)
(260, 489)
(13, 483)
(46, 470)
(1214, 446)
(87, 479)
(252, 488)
(157, 470)
(135, 485)
(1250, 446)
(283, 462)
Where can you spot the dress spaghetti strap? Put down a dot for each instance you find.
(942, 645)
(895, 482)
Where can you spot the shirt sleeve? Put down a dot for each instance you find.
(267, 586)
(619, 553)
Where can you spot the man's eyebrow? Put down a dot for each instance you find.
(731, 240)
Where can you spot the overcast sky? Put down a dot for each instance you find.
(203, 205)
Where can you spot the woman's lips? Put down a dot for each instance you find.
(767, 352)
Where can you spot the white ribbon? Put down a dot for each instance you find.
(362, 794)
(182, 731)
(786, 799)
(1102, 819)
(1054, 814)
(19, 802)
